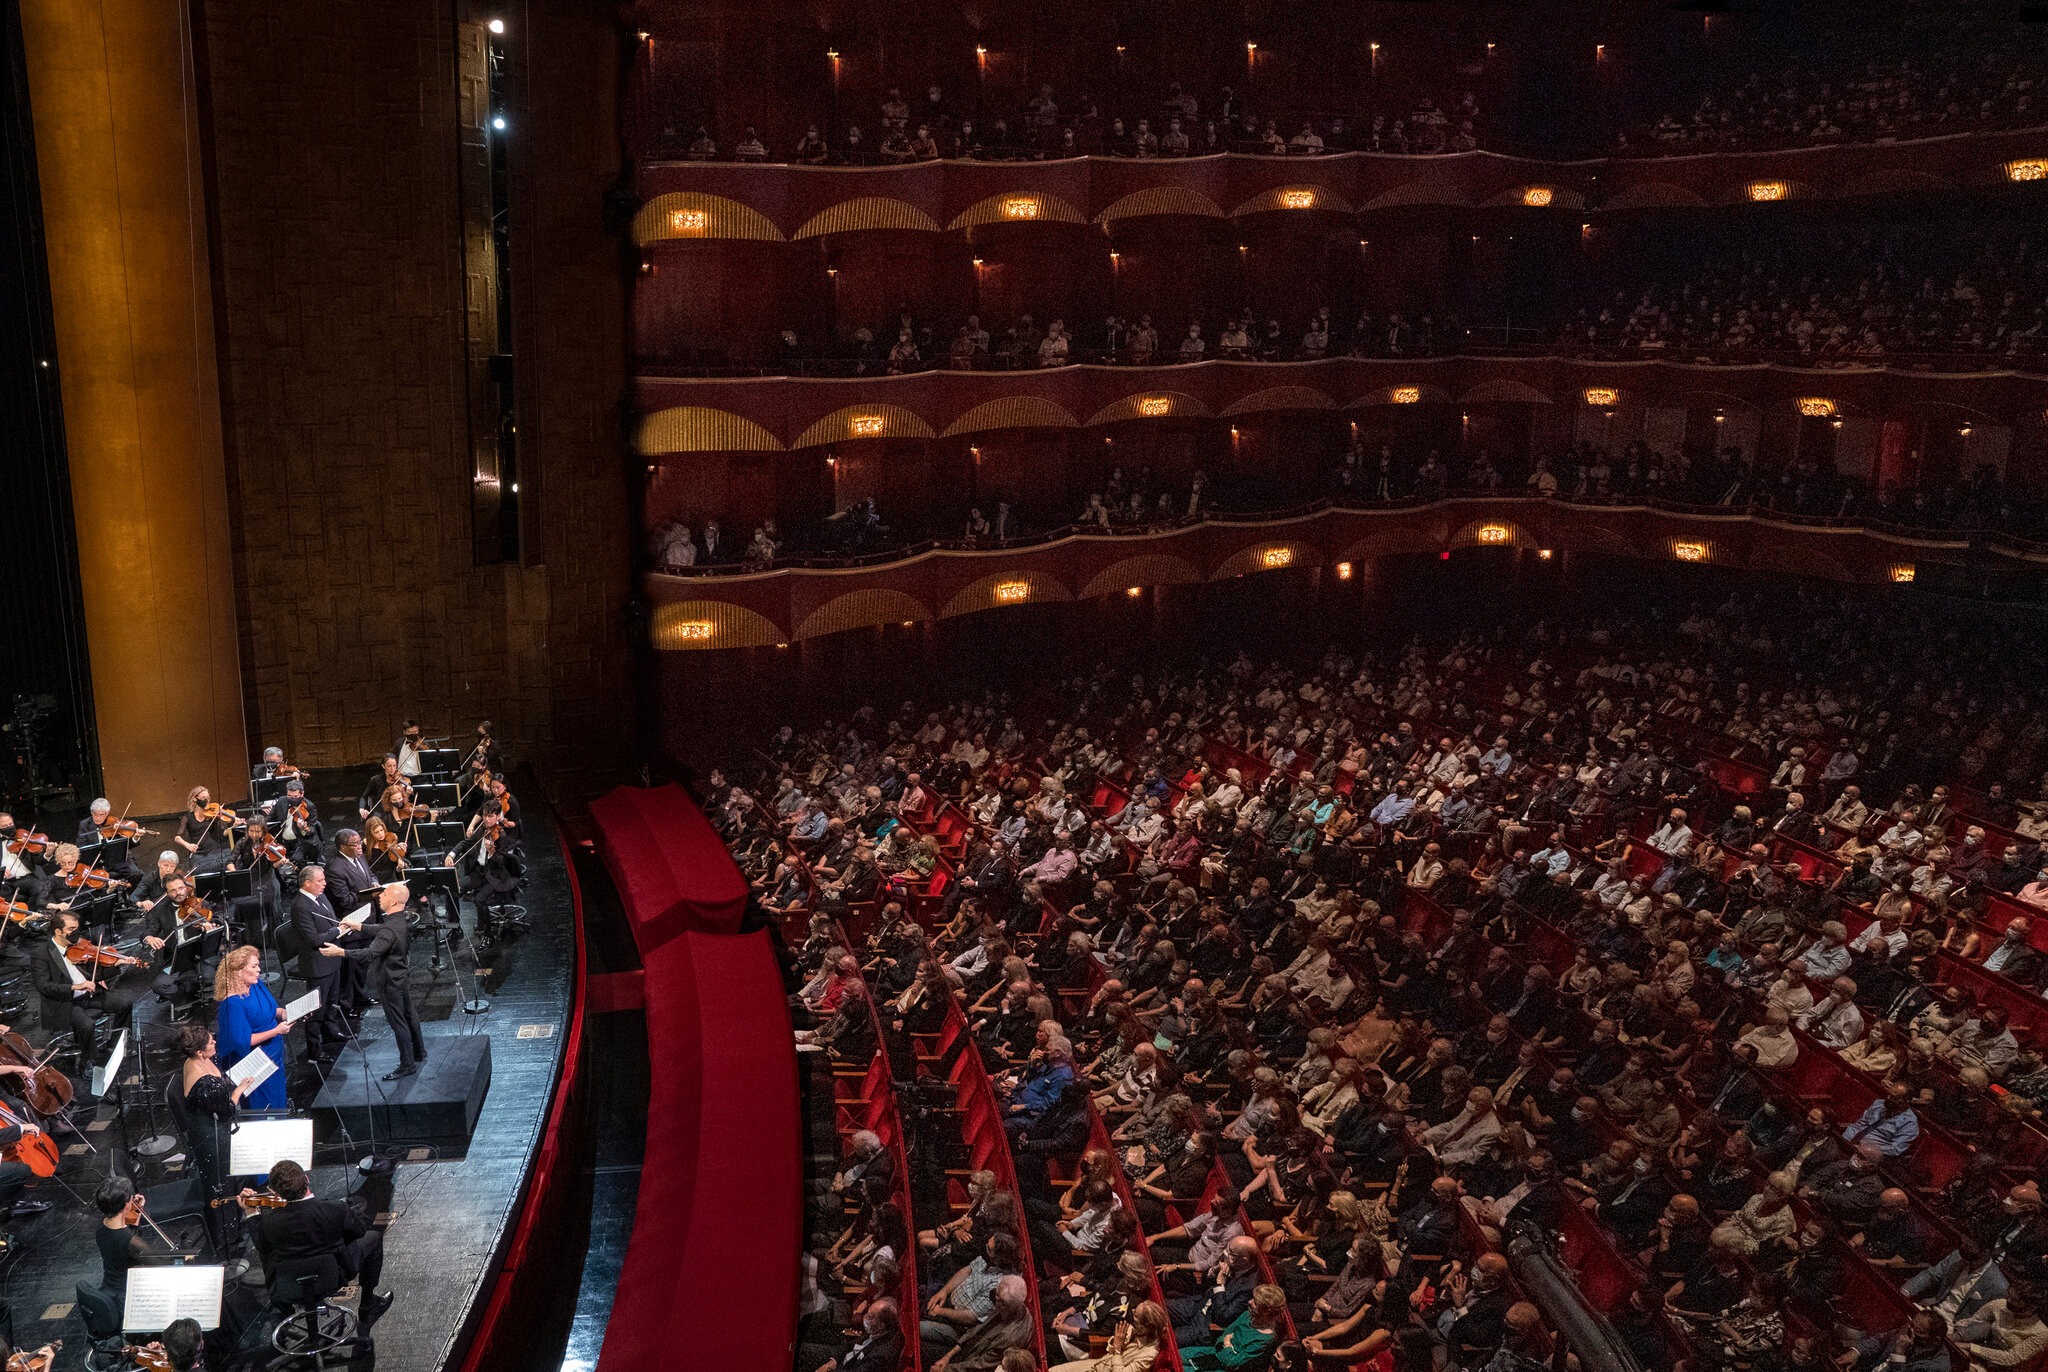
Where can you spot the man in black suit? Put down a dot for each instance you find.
(308, 1227)
(383, 946)
(314, 925)
(349, 878)
(113, 853)
(69, 994)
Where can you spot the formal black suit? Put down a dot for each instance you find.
(313, 924)
(384, 948)
(305, 845)
(310, 1227)
(349, 879)
(63, 1012)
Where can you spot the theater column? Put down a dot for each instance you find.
(115, 103)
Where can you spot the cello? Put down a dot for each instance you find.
(49, 1090)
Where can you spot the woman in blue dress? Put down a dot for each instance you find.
(249, 1017)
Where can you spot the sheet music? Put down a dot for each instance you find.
(108, 1072)
(159, 1296)
(303, 1006)
(259, 1145)
(254, 1069)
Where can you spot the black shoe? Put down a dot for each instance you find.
(372, 1307)
(26, 1206)
(401, 1073)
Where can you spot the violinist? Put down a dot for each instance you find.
(411, 744)
(21, 870)
(490, 873)
(57, 891)
(398, 811)
(152, 888)
(386, 851)
(172, 924)
(385, 779)
(207, 830)
(70, 993)
(115, 837)
(121, 1247)
(499, 801)
(485, 749)
(296, 823)
(308, 1227)
(274, 766)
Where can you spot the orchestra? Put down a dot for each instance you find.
(102, 917)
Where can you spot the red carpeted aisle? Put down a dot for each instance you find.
(710, 1276)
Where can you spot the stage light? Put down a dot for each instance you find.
(496, 26)
(498, 122)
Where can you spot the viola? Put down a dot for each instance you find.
(83, 951)
(84, 878)
(49, 1090)
(41, 1358)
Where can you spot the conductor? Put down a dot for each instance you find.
(384, 944)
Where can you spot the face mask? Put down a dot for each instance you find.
(1642, 1166)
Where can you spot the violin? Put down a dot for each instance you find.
(284, 771)
(28, 842)
(389, 846)
(83, 951)
(130, 829)
(84, 878)
(193, 908)
(145, 1359)
(18, 911)
(257, 1202)
(49, 1090)
(213, 810)
(303, 813)
(41, 1358)
(270, 851)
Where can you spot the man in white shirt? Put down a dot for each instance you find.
(1835, 1021)
(1674, 839)
(1828, 956)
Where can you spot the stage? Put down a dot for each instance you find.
(450, 1205)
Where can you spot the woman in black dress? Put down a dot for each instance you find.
(205, 1103)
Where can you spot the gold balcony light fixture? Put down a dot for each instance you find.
(1494, 533)
(1689, 551)
(1020, 207)
(1816, 407)
(2027, 169)
(1761, 192)
(865, 425)
(687, 221)
(1010, 592)
(1153, 406)
(1902, 572)
(1272, 558)
(1536, 197)
(1406, 395)
(1602, 397)
(1298, 200)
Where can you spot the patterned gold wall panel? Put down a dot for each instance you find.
(690, 214)
(1544, 196)
(1151, 405)
(1161, 200)
(863, 421)
(1003, 589)
(696, 429)
(867, 212)
(1408, 393)
(1302, 197)
(1281, 398)
(1019, 207)
(859, 609)
(1012, 412)
(1489, 533)
(1422, 192)
(1653, 195)
(701, 625)
(1275, 555)
(1152, 569)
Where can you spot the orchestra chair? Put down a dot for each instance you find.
(100, 1313)
(302, 1289)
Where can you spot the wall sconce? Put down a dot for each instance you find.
(1493, 533)
(1544, 553)
(976, 452)
(695, 630)
(1761, 191)
(1009, 592)
(865, 425)
(1689, 552)
(1020, 207)
(1963, 432)
(1405, 395)
(691, 222)
(1153, 406)
(1134, 591)
(1720, 417)
(1273, 558)
(1536, 197)
(1602, 397)
(1298, 200)
(2028, 169)
(1816, 407)
(1902, 572)
(1343, 571)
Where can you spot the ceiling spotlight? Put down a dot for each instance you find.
(496, 26)
(498, 122)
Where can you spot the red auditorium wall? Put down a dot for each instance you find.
(338, 224)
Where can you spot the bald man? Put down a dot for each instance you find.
(384, 946)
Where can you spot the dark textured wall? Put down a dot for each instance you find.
(338, 217)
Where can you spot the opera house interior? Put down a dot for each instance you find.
(966, 686)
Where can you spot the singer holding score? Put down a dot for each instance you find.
(250, 1018)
